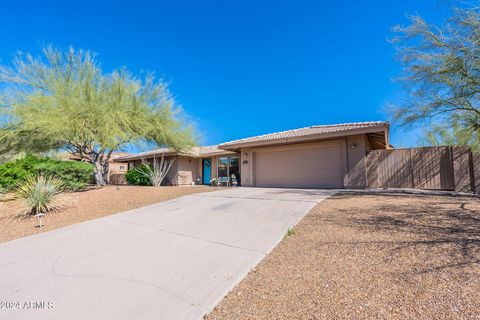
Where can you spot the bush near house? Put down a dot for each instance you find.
(135, 177)
(75, 175)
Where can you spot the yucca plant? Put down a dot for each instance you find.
(156, 172)
(40, 194)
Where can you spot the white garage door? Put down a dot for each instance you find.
(312, 165)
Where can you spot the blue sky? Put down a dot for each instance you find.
(238, 68)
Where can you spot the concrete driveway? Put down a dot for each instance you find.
(171, 260)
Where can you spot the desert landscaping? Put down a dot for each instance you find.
(220, 160)
(86, 205)
(369, 256)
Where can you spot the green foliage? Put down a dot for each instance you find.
(441, 71)
(154, 172)
(214, 182)
(39, 193)
(11, 173)
(64, 100)
(290, 232)
(138, 176)
(452, 135)
(75, 175)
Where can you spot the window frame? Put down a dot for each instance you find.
(229, 163)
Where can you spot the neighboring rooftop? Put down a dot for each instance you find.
(377, 129)
(193, 152)
(113, 158)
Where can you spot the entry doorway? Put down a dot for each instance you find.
(207, 170)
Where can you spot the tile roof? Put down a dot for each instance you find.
(312, 131)
(193, 152)
(320, 131)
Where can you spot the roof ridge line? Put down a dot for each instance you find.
(348, 124)
(303, 128)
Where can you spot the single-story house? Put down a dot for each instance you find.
(324, 156)
(200, 164)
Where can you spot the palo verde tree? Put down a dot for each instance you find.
(451, 134)
(441, 74)
(63, 100)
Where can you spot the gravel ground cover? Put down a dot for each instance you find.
(87, 205)
(369, 256)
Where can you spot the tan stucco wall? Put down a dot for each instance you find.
(356, 176)
(187, 169)
(116, 172)
(214, 167)
(115, 167)
(246, 167)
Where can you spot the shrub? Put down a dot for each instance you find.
(11, 173)
(75, 175)
(214, 182)
(138, 176)
(290, 232)
(40, 194)
(156, 172)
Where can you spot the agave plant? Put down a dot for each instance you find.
(40, 194)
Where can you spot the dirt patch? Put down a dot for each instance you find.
(87, 205)
(389, 256)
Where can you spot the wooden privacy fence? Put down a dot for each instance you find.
(117, 178)
(434, 168)
(476, 170)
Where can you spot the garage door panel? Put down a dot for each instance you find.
(317, 165)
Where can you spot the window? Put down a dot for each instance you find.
(122, 168)
(223, 167)
(234, 168)
(228, 166)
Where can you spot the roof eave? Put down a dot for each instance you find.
(177, 154)
(306, 138)
(220, 153)
(151, 155)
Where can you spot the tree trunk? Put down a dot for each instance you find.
(99, 159)
(100, 172)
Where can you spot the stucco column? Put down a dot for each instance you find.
(246, 171)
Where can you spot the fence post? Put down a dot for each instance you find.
(412, 174)
(476, 170)
(462, 169)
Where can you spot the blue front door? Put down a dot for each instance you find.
(207, 170)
